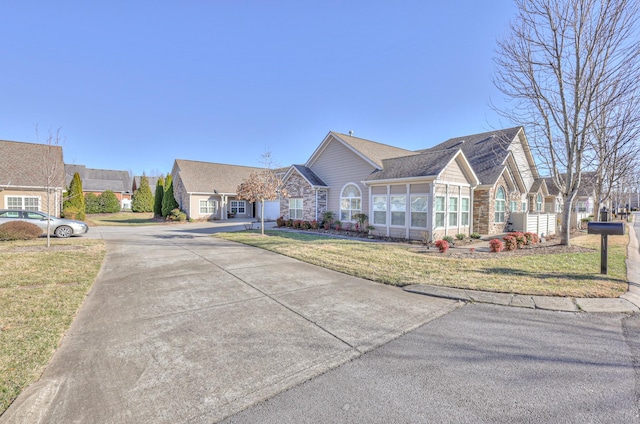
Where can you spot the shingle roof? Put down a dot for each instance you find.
(486, 152)
(372, 150)
(587, 184)
(99, 179)
(153, 181)
(419, 165)
(25, 164)
(205, 177)
(310, 176)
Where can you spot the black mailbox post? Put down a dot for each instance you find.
(605, 229)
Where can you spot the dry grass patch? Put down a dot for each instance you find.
(122, 218)
(563, 274)
(41, 289)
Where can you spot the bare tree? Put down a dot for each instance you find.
(558, 58)
(262, 186)
(52, 171)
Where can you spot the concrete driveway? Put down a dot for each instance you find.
(184, 327)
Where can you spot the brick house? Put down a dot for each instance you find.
(97, 181)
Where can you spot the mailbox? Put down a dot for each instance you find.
(606, 228)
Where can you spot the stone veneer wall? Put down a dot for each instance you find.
(298, 187)
(484, 207)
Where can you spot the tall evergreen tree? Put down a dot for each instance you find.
(74, 202)
(142, 198)
(157, 200)
(168, 201)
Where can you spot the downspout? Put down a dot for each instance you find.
(316, 208)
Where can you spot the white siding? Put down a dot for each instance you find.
(522, 163)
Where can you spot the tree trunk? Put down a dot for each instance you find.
(565, 230)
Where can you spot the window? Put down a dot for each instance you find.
(453, 211)
(238, 206)
(500, 203)
(350, 202)
(513, 206)
(398, 210)
(539, 203)
(380, 210)
(295, 208)
(439, 211)
(10, 214)
(524, 206)
(419, 211)
(23, 202)
(209, 206)
(464, 212)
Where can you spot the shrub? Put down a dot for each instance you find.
(460, 236)
(92, 203)
(157, 199)
(289, 222)
(449, 239)
(475, 236)
(337, 224)
(532, 238)
(109, 202)
(314, 224)
(305, 225)
(362, 220)
(19, 230)
(495, 245)
(168, 200)
(177, 215)
(74, 200)
(142, 198)
(71, 212)
(521, 240)
(297, 223)
(442, 245)
(510, 242)
(347, 226)
(280, 222)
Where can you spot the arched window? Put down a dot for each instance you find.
(350, 202)
(539, 203)
(500, 205)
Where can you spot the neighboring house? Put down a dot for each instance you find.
(31, 176)
(403, 192)
(97, 181)
(153, 181)
(509, 180)
(466, 184)
(206, 190)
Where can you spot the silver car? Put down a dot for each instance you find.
(59, 226)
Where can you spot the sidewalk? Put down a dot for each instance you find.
(627, 303)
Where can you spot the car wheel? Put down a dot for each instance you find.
(63, 231)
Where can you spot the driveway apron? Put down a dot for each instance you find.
(184, 327)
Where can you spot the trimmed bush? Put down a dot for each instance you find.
(109, 203)
(460, 236)
(92, 203)
(449, 239)
(495, 245)
(74, 202)
(442, 245)
(19, 230)
(475, 236)
(280, 222)
(510, 242)
(168, 201)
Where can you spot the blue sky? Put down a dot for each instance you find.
(134, 85)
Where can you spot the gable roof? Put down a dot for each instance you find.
(424, 165)
(208, 177)
(370, 151)
(153, 181)
(540, 184)
(486, 152)
(25, 164)
(587, 184)
(99, 179)
(307, 174)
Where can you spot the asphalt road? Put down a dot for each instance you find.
(480, 364)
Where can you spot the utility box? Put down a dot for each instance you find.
(606, 228)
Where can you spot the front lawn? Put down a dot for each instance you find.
(122, 218)
(561, 274)
(41, 289)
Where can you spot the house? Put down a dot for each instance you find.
(398, 189)
(31, 176)
(465, 184)
(206, 190)
(509, 180)
(97, 181)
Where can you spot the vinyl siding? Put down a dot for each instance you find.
(454, 174)
(522, 163)
(338, 166)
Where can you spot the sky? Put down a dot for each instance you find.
(134, 85)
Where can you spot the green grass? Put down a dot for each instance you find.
(569, 274)
(122, 218)
(41, 289)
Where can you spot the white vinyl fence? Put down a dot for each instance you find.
(539, 223)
